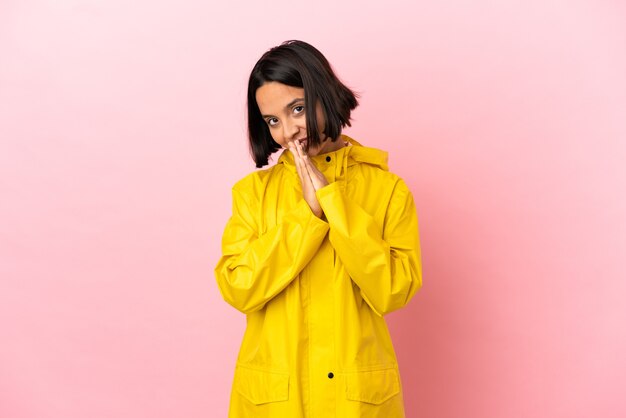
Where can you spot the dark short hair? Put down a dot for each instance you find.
(298, 64)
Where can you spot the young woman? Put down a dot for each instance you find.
(318, 249)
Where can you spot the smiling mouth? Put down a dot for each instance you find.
(303, 142)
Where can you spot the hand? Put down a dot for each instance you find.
(311, 178)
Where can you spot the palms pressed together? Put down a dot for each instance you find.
(310, 177)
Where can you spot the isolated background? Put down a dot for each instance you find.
(122, 129)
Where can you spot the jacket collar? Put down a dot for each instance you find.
(349, 155)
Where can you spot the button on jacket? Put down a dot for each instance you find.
(315, 291)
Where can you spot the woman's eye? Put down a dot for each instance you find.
(298, 109)
(272, 121)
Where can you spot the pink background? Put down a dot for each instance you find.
(122, 130)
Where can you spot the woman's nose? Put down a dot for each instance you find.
(290, 130)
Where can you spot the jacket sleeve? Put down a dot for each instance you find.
(253, 269)
(383, 260)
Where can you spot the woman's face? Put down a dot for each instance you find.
(282, 108)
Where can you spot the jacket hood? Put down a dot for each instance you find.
(355, 153)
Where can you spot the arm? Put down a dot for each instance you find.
(385, 262)
(253, 269)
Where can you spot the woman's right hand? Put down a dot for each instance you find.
(308, 189)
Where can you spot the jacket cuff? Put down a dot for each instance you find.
(330, 188)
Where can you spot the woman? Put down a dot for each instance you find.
(318, 249)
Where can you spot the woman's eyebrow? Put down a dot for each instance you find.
(288, 105)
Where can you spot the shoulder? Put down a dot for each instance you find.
(381, 178)
(247, 182)
(252, 184)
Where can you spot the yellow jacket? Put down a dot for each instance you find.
(315, 291)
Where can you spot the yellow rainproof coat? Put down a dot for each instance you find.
(315, 291)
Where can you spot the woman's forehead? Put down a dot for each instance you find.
(274, 97)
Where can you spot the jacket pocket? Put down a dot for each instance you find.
(261, 386)
(372, 386)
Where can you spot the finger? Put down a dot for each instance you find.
(312, 170)
(299, 159)
(296, 157)
(292, 148)
(317, 177)
(298, 148)
(303, 166)
(300, 163)
(304, 158)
